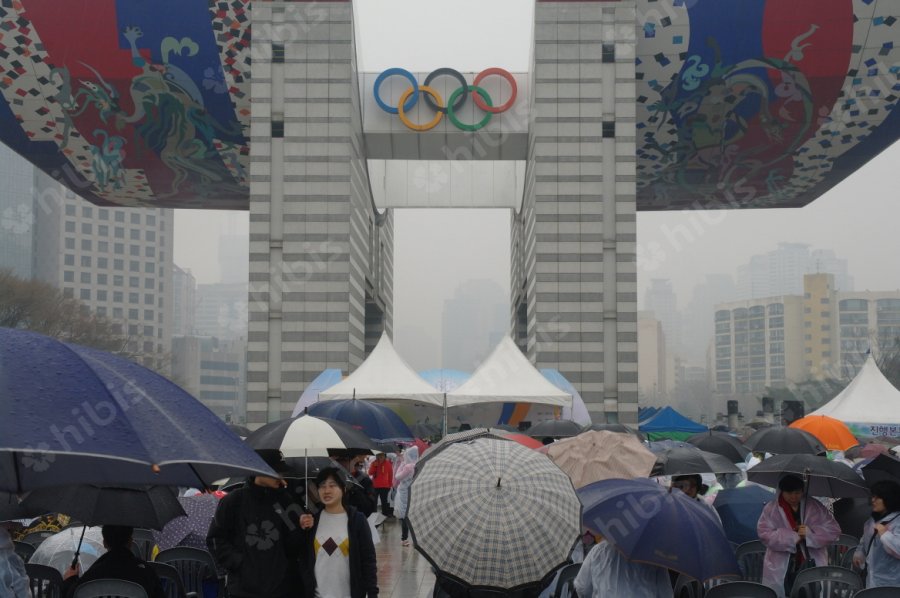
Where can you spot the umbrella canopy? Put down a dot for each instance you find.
(686, 461)
(592, 456)
(191, 528)
(309, 436)
(870, 450)
(464, 436)
(720, 443)
(490, 513)
(825, 478)
(780, 441)
(739, 509)
(882, 467)
(376, 421)
(554, 428)
(149, 507)
(832, 433)
(618, 428)
(650, 524)
(58, 550)
(75, 415)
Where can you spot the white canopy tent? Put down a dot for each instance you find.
(870, 405)
(384, 375)
(507, 376)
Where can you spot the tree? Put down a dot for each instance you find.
(40, 307)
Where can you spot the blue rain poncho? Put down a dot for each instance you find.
(883, 558)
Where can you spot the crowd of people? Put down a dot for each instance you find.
(268, 545)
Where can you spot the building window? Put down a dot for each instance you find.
(151, 220)
(69, 276)
(85, 261)
(69, 260)
(134, 297)
(118, 264)
(118, 296)
(150, 251)
(70, 226)
(103, 213)
(120, 232)
(69, 293)
(277, 129)
(87, 212)
(609, 53)
(86, 245)
(85, 278)
(133, 314)
(70, 210)
(135, 218)
(70, 243)
(85, 294)
(118, 280)
(86, 228)
(134, 250)
(102, 263)
(134, 266)
(609, 129)
(102, 246)
(277, 53)
(151, 236)
(102, 279)
(101, 295)
(135, 234)
(117, 313)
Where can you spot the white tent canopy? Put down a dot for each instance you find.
(869, 401)
(384, 375)
(507, 376)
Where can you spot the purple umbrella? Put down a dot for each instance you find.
(191, 528)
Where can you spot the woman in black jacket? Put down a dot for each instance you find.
(339, 553)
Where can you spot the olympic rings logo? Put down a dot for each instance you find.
(455, 102)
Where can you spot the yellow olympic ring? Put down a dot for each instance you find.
(405, 119)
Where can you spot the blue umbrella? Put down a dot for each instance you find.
(739, 509)
(376, 421)
(74, 415)
(650, 524)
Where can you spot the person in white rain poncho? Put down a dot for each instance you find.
(879, 549)
(784, 524)
(404, 478)
(605, 572)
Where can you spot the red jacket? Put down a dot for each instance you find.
(382, 474)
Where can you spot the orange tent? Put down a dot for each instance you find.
(833, 433)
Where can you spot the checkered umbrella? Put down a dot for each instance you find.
(493, 514)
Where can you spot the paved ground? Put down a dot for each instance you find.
(402, 571)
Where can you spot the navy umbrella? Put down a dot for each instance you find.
(74, 415)
(739, 509)
(376, 421)
(648, 523)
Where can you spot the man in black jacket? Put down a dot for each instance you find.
(117, 563)
(255, 537)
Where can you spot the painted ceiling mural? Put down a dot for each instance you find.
(134, 102)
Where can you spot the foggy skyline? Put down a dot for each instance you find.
(436, 250)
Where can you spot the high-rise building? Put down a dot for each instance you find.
(653, 361)
(474, 321)
(117, 261)
(16, 214)
(698, 325)
(819, 325)
(221, 310)
(661, 300)
(868, 321)
(214, 371)
(780, 272)
(184, 301)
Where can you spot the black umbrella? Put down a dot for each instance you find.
(720, 443)
(882, 467)
(242, 431)
(618, 428)
(686, 461)
(823, 477)
(852, 514)
(554, 428)
(780, 441)
(148, 507)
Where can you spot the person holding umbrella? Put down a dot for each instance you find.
(796, 532)
(339, 555)
(878, 553)
(254, 536)
(13, 577)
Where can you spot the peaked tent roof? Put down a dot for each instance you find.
(507, 376)
(869, 398)
(669, 420)
(384, 375)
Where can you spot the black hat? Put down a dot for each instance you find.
(273, 459)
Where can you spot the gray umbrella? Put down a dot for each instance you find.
(490, 513)
(686, 461)
(554, 428)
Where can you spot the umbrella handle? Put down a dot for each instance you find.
(803, 545)
(78, 550)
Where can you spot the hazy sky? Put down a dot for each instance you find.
(436, 250)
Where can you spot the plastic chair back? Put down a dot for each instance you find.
(826, 582)
(45, 582)
(882, 592)
(687, 587)
(110, 588)
(194, 566)
(565, 583)
(170, 579)
(750, 557)
(142, 543)
(836, 551)
(741, 589)
(24, 550)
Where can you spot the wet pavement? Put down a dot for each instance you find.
(402, 571)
